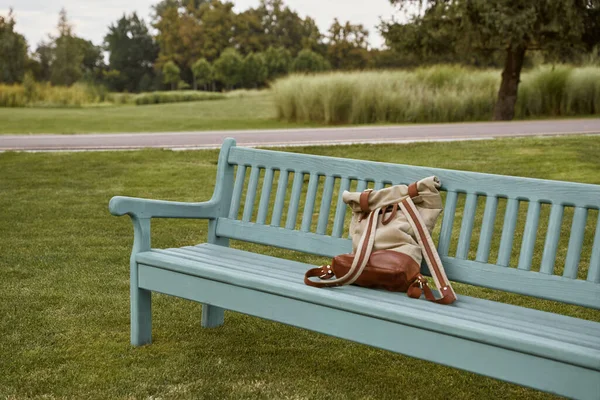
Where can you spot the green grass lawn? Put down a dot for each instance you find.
(251, 112)
(64, 294)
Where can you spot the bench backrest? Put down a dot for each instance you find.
(294, 201)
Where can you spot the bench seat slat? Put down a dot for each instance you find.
(569, 329)
(402, 311)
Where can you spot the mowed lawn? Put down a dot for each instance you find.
(64, 291)
(250, 112)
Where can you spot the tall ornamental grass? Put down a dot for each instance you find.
(435, 94)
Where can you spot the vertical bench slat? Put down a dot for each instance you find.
(237, 191)
(361, 185)
(575, 243)
(466, 229)
(325, 205)
(594, 270)
(279, 197)
(508, 232)
(294, 200)
(340, 210)
(263, 205)
(378, 185)
(251, 194)
(447, 221)
(487, 229)
(529, 235)
(309, 204)
(552, 237)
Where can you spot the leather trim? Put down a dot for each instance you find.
(448, 297)
(412, 190)
(364, 201)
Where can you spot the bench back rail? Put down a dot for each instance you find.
(294, 201)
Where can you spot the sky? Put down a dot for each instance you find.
(91, 18)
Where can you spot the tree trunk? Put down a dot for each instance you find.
(195, 83)
(507, 95)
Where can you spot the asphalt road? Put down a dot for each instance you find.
(298, 137)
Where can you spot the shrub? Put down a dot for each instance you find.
(442, 93)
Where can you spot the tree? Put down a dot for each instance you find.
(484, 27)
(132, 52)
(228, 68)
(308, 61)
(254, 70)
(348, 46)
(13, 51)
(284, 27)
(249, 34)
(92, 63)
(203, 73)
(44, 56)
(278, 61)
(171, 74)
(67, 54)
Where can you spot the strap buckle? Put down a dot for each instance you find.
(327, 272)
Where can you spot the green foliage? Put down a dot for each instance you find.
(308, 61)
(228, 68)
(559, 90)
(67, 54)
(132, 52)
(476, 31)
(348, 46)
(175, 97)
(171, 73)
(32, 94)
(13, 51)
(278, 61)
(254, 70)
(203, 73)
(435, 94)
(29, 87)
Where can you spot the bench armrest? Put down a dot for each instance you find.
(147, 208)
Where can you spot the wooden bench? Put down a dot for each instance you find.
(542, 350)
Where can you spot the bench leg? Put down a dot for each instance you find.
(212, 316)
(141, 316)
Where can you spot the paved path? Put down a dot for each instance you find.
(297, 137)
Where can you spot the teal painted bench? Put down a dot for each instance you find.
(542, 350)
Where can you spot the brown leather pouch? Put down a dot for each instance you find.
(386, 269)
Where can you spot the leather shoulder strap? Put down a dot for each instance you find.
(359, 262)
(364, 200)
(432, 258)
